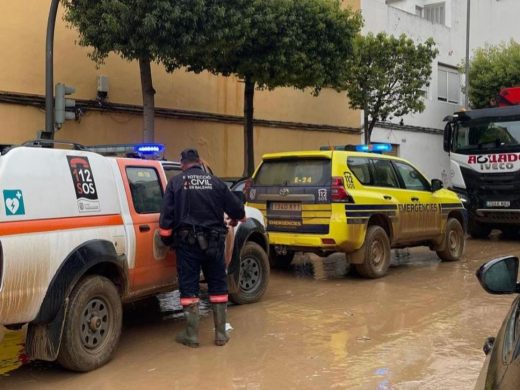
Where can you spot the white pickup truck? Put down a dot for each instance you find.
(79, 237)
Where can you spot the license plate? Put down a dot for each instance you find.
(498, 203)
(286, 206)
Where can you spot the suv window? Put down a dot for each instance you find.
(384, 174)
(361, 168)
(412, 178)
(145, 188)
(294, 172)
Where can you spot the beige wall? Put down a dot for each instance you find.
(22, 71)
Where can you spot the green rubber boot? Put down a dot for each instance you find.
(219, 317)
(190, 335)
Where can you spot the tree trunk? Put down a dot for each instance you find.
(366, 127)
(148, 100)
(249, 154)
(371, 126)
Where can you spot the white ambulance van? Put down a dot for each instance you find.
(79, 238)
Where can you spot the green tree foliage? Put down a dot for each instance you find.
(275, 43)
(387, 76)
(491, 69)
(143, 30)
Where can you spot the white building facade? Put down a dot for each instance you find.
(418, 137)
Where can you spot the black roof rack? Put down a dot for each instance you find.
(46, 143)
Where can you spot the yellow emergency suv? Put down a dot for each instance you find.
(351, 199)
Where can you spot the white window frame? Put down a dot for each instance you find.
(435, 12)
(443, 76)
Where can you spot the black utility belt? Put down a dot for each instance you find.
(202, 238)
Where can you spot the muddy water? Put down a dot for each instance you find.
(421, 327)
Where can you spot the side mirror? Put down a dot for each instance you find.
(436, 185)
(499, 276)
(448, 130)
(240, 195)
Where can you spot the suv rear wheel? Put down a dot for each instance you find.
(454, 241)
(92, 325)
(377, 253)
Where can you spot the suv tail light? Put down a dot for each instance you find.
(338, 194)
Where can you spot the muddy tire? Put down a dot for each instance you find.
(454, 241)
(92, 325)
(377, 253)
(280, 261)
(254, 274)
(477, 231)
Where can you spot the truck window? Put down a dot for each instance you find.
(294, 172)
(384, 174)
(145, 188)
(413, 180)
(486, 135)
(361, 168)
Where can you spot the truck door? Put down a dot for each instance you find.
(154, 266)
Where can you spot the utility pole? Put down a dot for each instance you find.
(49, 69)
(466, 92)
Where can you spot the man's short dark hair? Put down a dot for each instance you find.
(189, 155)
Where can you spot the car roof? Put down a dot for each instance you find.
(325, 154)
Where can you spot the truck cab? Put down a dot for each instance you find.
(484, 149)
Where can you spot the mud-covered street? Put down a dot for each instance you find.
(420, 327)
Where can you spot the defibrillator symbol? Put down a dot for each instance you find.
(13, 201)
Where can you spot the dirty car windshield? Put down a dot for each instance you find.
(294, 172)
(485, 135)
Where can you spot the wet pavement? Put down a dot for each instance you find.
(420, 327)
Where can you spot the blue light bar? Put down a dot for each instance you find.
(374, 148)
(149, 149)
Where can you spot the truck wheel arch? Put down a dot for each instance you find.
(251, 230)
(92, 257)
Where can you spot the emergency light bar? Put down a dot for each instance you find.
(149, 149)
(375, 148)
(146, 150)
(370, 148)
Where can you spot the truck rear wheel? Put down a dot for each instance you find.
(377, 253)
(92, 325)
(254, 274)
(454, 241)
(476, 230)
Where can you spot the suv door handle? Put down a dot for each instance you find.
(144, 228)
(414, 199)
(387, 197)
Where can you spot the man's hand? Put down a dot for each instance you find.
(167, 240)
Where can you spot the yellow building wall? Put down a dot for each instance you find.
(22, 71)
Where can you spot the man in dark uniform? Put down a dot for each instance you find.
(192, 216)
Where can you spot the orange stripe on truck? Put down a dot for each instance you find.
(56, 224)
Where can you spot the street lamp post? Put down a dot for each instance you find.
(49, 70)
(466, 92)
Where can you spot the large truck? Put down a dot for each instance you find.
(484, 150)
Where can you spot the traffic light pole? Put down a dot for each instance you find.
(49, 69)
